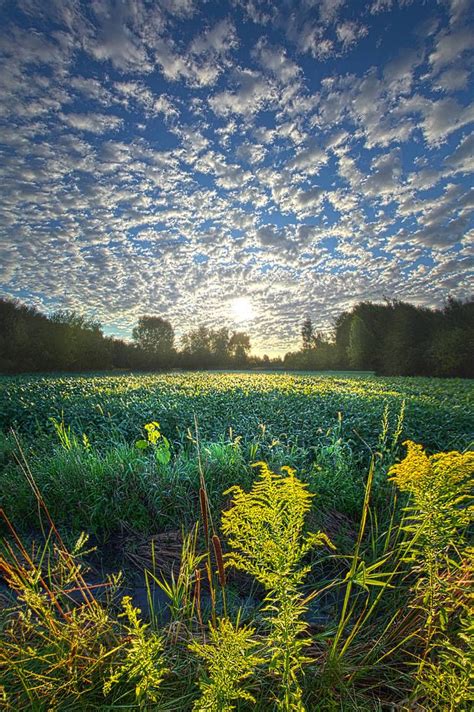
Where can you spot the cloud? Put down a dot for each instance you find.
(443, 117)
(218, 40)
(384, 177)
(309, 160)
(252, 93)
(452, 80)
(462, 159)
(94, 123)
(348, 33)
(450, 46)
(118, 35)
(442, 222)
(329, 10)
(399, 72)
(203, 61)
(135, 92)
(276, 61)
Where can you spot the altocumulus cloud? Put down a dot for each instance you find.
(169, 156)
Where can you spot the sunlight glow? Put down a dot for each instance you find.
(242, 310)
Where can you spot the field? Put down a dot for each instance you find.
(368, 616)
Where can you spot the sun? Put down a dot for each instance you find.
(242, 310)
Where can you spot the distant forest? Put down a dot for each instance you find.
(394, 338)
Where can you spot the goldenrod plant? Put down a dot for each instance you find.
(439, 511)
(143, 664)
(231, 658)
(440, 507)
(447, 680)
(264, 528)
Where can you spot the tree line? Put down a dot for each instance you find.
(394, 338)
(31, 341)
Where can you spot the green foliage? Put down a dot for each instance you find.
(362, 344)
(441, 495)
(385, 620)
(231, 658)
(296, 410)
(157, 442)
(215, 348)
(400, 339)
(394, 338)
(264, 527)
(440, 509)
(446, 680)
(154, 337)
(143, 663)
(179, 589)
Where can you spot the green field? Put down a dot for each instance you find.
(68, 451)
(293, 407)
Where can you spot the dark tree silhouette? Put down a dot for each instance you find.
(307, 333)
(154, 337)
(239, 347)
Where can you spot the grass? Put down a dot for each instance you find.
(240, 608)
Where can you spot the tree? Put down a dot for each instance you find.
(78, 340)
(342, 326)
(196, 348)
(307, 334)
(406, 340)
(361, 344)
(239, 347)
(220, 346)
(155, 337)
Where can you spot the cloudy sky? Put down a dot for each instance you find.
(172, 157)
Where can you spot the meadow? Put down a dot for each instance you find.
(287, 550)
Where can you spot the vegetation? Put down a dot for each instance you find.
(304, 559)
(394, 338)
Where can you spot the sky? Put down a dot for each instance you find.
(242, 163)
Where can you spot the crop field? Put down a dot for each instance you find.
(294, 542)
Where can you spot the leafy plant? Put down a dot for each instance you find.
(439, 510)
(440, 487)
(143, 663)
(264, 527)
(231, 658)
(157, 442)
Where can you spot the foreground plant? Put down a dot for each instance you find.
(57, 633)
(439, 511)
(230, 659)
(440, 487)
(143, 664)
(264, 527)
(158, 443)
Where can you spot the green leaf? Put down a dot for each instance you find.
(163, 455)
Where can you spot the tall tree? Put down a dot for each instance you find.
(307, 333)
(361, 344)
(155, 337)
(239, 347)
(220, 345)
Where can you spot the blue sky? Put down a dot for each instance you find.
(171, 157)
